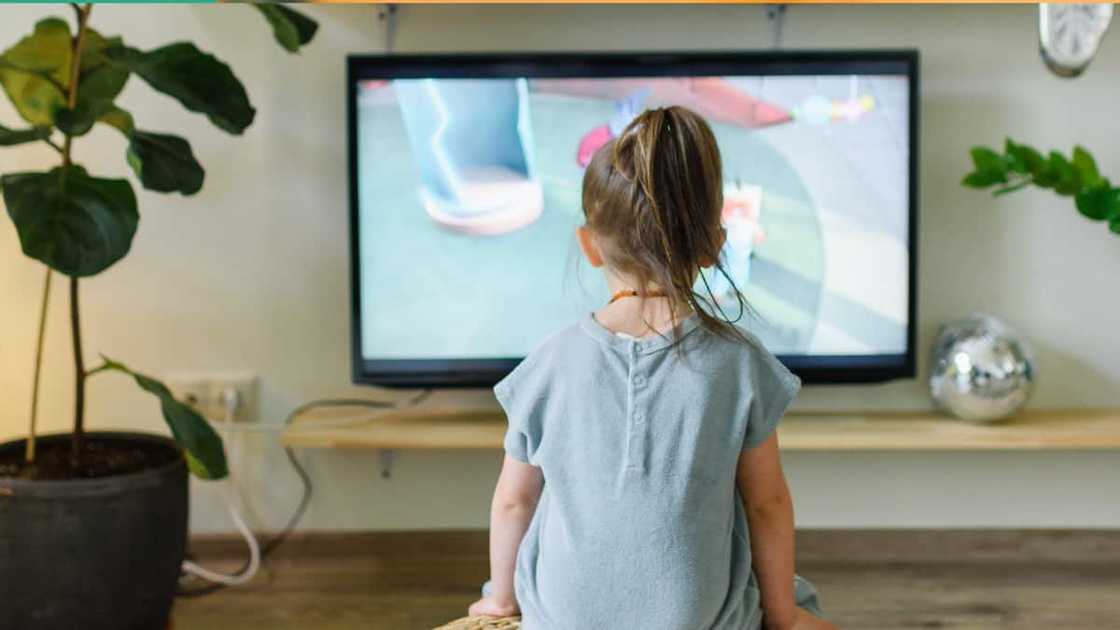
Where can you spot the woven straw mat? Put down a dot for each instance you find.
(484, 623)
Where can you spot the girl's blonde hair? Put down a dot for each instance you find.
(652, 197)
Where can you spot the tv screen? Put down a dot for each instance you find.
(465, 176)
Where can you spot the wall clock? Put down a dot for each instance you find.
(1069, 35)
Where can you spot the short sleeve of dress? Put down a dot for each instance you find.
(773, 387)
(522, 396)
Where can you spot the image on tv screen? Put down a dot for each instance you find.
(469, 196)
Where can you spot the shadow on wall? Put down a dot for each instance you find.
(1068, 378)
(349, 491)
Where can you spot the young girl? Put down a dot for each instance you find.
(642, 486)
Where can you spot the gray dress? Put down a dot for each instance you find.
(639, 524)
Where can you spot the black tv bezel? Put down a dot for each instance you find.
(830, 369)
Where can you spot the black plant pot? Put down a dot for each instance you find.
(93, 553)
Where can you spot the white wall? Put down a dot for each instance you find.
(251, 273)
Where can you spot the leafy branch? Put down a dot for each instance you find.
(80, 225)
(1020, 165)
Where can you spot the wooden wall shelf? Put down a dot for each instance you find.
(433, 428)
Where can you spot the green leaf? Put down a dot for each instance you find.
(1112, 203)
(1114, 224)
(1099, 203)
(74, 122)
(76, 224)
(1086, 167)
(33, 70)
(12, 137)
(100, 79)
(986, 159)
(120, 119)
(1014, 160)
(45, 50)
(196, 79)
(102, 84)
(202, 445)
(982, 179)
(991, 168)
(1045, 176)
(164, 163)
(1023, 159)
(198, 468)
(1068, 182)
(94, 47)
(36, 99)
(290, 28)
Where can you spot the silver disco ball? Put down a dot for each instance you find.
(982, 371)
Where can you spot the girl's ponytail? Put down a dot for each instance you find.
(661, 208)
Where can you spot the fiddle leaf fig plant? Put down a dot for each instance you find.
(64, 81)
(1077, 176)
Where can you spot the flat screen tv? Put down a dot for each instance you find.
(465, 175)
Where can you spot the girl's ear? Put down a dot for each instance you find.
(588, 247)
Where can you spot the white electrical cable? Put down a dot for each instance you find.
(230, 402)
(230, 430)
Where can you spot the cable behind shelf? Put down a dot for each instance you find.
(259, 552)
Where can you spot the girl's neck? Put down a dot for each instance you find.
(636, 316)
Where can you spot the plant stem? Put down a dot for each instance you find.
(75, 71)
(29, 456)
(99, 369)
(79, 377)
(78, 440)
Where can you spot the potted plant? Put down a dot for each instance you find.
(93, 525)
(1077, 176)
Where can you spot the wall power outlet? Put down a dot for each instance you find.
(207, 393)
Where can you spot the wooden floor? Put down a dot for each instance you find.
(976, 580)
